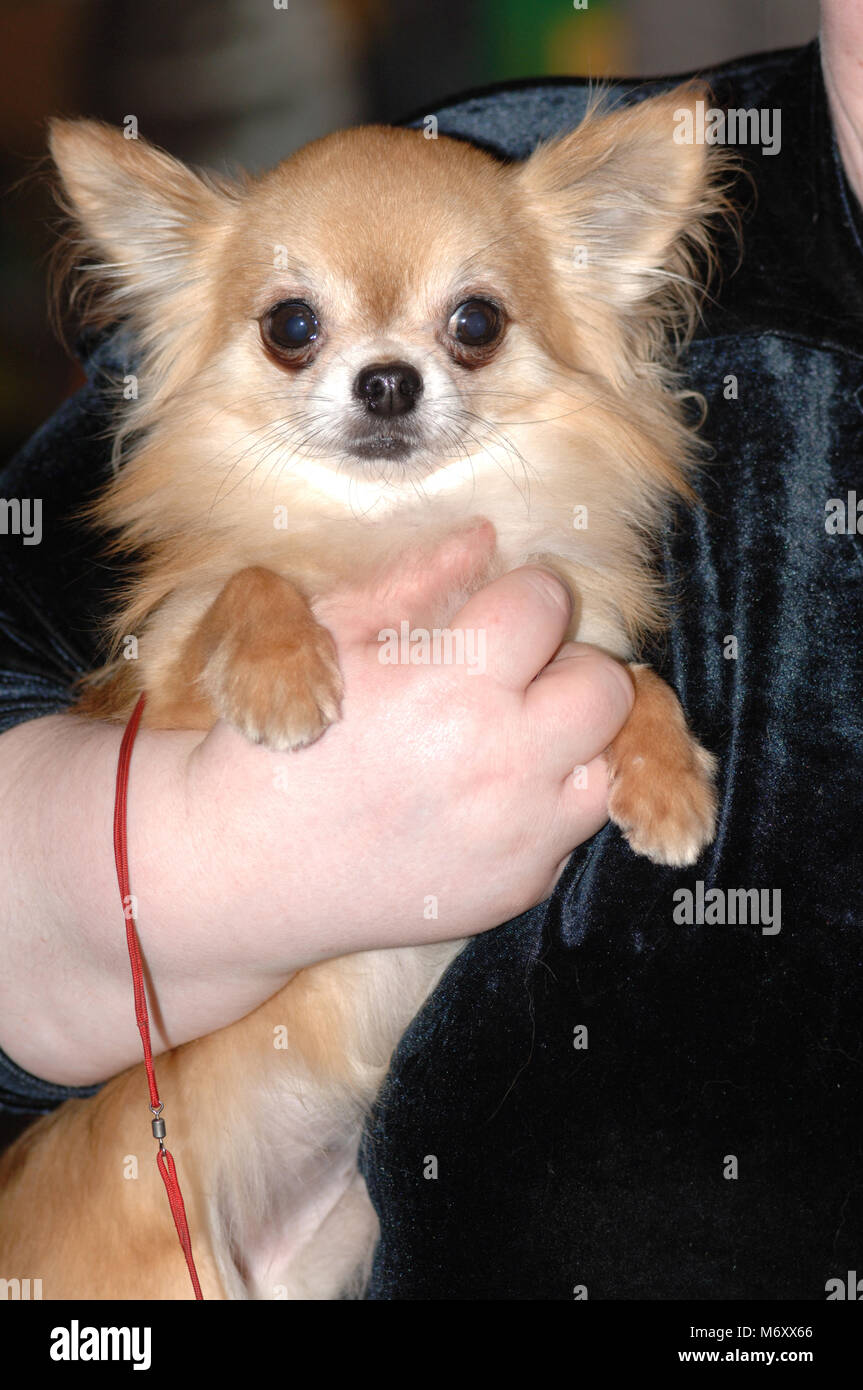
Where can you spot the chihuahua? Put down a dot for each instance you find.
(405, 334)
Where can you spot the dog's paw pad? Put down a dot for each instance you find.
(667, 810)
(284, 694)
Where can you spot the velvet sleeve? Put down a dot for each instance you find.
(52, 589)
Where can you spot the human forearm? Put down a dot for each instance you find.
(65, 1001)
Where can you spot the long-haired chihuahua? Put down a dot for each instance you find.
(404, 334)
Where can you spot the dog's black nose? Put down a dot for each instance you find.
(389, 388)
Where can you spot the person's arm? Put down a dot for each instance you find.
(842, 65)
(438, 783)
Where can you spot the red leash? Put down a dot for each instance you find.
(164, 1161)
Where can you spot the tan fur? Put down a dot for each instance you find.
(260, 660)
(661, 780)
(578, 405)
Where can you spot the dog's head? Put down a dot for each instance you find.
(383, 303)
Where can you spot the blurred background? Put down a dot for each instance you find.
(246, 81)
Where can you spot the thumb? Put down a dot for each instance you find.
(524, 617)
(416, 585)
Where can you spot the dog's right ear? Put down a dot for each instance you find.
(141, 216)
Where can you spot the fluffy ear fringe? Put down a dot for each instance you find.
(131, 218)
(647, 211)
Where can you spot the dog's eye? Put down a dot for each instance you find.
(290, 327)
(476, 323)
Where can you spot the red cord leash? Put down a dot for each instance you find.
(164, 1161)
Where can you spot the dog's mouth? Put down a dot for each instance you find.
(382, 446)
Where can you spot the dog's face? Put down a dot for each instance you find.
(383, 304)
(393, 294)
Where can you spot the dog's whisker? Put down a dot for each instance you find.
(501, 439)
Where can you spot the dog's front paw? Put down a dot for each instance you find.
(666, 813)
(284, 693)
(262, 661)
(662, 791)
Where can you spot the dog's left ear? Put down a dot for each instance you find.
(628, 196)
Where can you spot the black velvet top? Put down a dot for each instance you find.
(707, 1140)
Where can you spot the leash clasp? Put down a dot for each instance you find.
(158, 1125)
